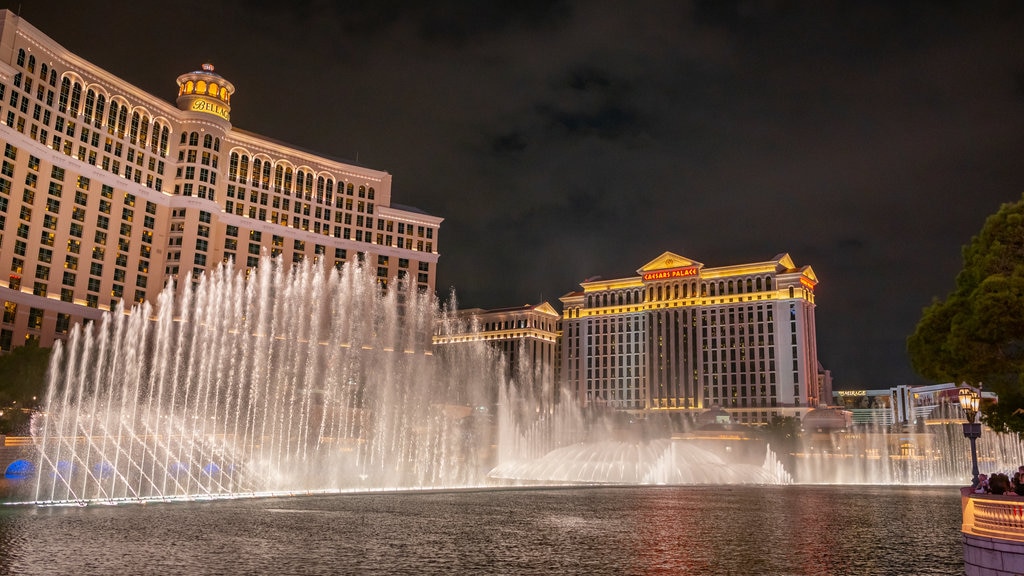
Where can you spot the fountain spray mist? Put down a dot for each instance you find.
(293, 379)
(303, 378)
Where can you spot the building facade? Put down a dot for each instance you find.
(107, 192)
(527, 336)
(870, 407)
(907, 405)
(681, 337)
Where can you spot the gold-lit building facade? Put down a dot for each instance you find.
(682, 337)
(106, 192)
(527, 336)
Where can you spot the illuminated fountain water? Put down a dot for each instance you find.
(925, 454)
(931, 452)
(656, 461)
(294, 379)
(291, 380)
(306, 378)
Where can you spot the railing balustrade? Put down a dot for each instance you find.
(993, 516)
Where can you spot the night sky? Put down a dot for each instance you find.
(564, 140)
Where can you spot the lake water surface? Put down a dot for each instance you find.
(784, 530)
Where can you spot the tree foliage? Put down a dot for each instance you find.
(976, 334)
(22, 385)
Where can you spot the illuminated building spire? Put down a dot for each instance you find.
(205, 92)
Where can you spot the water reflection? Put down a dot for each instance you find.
(791, 530)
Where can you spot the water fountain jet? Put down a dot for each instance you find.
(310, 379)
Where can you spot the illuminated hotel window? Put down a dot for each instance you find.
(35, 318)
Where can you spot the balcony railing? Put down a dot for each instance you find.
(993, 516)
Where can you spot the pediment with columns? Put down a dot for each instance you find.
(669, 265)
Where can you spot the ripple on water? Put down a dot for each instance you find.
(794, 530)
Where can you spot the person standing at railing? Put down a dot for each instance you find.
(1018, 482)
(982, 487)
(999, 484)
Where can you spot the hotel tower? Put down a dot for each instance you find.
(107, 192)
(682, 337)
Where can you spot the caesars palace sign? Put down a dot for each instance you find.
(670, 273)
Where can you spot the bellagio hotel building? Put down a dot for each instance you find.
(106, 192)
(682, 337)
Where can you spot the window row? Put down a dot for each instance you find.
(287, 180)
(139, 127)
(91, 156)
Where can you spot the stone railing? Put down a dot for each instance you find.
(993, 529)
(994, 516)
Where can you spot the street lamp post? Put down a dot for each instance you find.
(969, 400)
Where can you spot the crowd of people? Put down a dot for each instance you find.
(999, 483)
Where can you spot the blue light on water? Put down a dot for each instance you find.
(63, 469)
(19, 470)
(103, 470)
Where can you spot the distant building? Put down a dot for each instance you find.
(682, 337)
(526, 335)
(824, 384)
(866, 406)
(937, 403)
(106, 192)
(906, 405)
(912, 404)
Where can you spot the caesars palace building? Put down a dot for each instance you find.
(680, 336)
(106, 192)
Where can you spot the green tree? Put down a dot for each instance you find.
(976, 335)
(22, 385)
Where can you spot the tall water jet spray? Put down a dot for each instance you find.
(305, 378)
(293, 379)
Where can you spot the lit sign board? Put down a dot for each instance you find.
(851, 392)
(208, 107)
(671, 273)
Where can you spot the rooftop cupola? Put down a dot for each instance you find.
(206, 92)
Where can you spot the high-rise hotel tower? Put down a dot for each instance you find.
(681, 337)
(106, 192)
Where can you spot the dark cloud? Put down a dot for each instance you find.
(509, 142)
(462, 21)
(567, 139)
